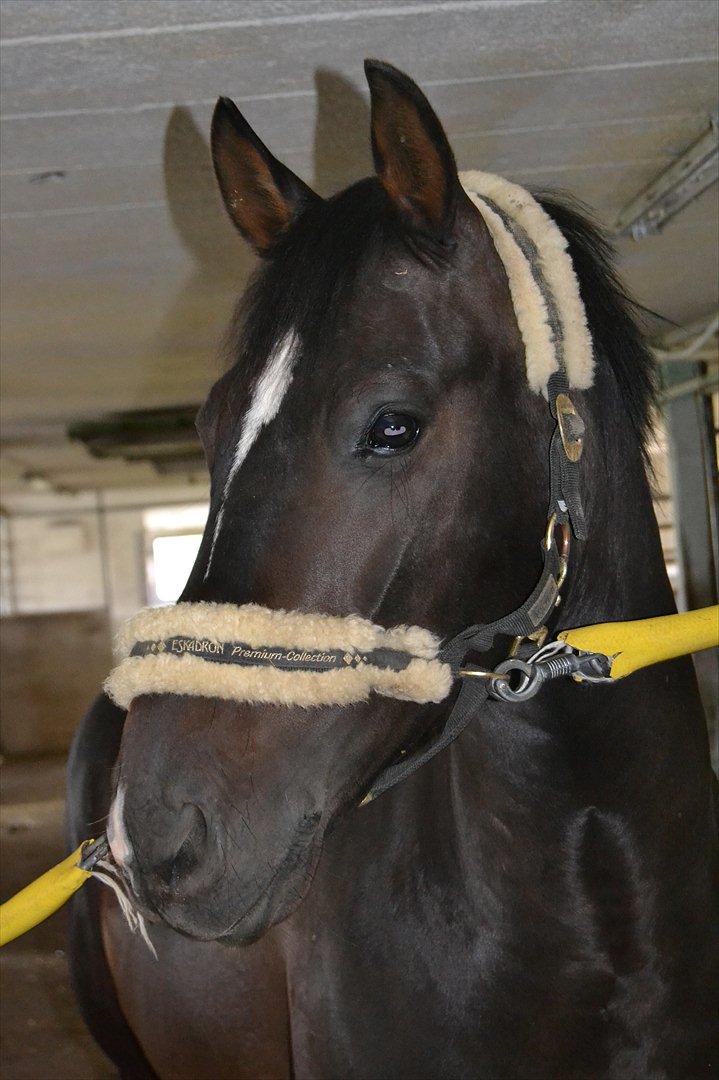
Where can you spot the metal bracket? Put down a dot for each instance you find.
(685, 179)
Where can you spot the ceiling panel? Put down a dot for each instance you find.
(469, 39)
(119, 266)
(334, 118)
(53, 18)
(573, 145)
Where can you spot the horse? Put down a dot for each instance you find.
(540, 898)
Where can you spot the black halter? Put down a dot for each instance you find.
(529, 620)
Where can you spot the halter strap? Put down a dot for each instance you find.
(557, 337)
(523, 622)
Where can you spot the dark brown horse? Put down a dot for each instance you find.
(539, 900)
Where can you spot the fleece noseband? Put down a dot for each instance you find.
(254, 654)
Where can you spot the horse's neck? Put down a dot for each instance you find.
(619, 571)
(521, 776)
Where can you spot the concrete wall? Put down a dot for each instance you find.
(82, 552)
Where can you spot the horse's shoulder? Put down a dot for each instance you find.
(89, 789)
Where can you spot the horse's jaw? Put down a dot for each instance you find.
(282, 897)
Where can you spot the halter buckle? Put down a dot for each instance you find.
(565, 536)
(565, 541)
(538, 638)
(571, 427)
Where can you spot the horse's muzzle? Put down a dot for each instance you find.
(213, 833)
(174, 857)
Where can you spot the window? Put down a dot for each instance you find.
(172, 559)
(172, 540)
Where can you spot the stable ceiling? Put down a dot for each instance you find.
(119, 267)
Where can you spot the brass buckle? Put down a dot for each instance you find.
(549, 532)
(539, 637)
(565, 542)
(565, 538)
(572, 433)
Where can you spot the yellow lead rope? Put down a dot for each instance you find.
(640, 644)
(42, 898)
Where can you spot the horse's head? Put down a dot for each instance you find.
(370, 452)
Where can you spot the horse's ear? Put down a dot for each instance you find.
(262, 196)
(412, 156)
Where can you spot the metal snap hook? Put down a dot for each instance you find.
(526, 678)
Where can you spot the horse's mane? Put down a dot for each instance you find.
(614, 316)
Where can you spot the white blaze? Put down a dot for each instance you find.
(267, 397)
(116, 835)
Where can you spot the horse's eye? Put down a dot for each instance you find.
(392, 431)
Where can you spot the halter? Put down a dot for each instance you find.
(254, 654)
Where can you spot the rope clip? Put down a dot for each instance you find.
(519, 680)
(92, 852)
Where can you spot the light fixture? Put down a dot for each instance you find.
(164, 437)
(37, 481)
(685, 179)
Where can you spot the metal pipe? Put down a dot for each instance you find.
(703, 384)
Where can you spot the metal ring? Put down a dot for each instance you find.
(530, 681)
(563, 568)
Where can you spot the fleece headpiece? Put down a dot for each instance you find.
(542, 282)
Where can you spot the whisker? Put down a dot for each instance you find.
(98, 821)
(408, 497)
(372, 473)
(109, 875)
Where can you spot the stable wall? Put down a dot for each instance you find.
(73, 569)
(52, 668)
(82, 552)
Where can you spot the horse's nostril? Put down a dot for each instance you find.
(192, 827)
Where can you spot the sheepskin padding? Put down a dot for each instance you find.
(423, 681)
(425, 678)
(258, 625)
(547, 348)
